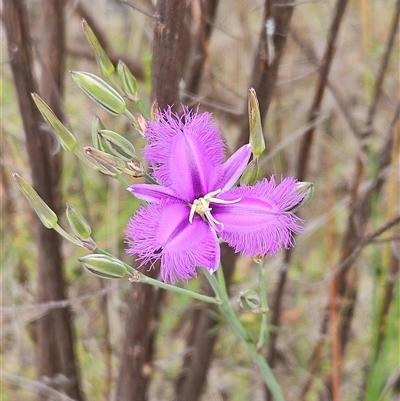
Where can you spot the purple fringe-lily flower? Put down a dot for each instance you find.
(196, 202)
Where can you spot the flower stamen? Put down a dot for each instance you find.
(201, 206)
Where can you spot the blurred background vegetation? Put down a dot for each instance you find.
(336, 332)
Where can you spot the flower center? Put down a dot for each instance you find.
(201, 206)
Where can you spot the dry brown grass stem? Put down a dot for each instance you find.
(369, 239)
(353, 245)
(305, 147)
(36, 387)
(44, 307)
(341, 102)
(303, 163)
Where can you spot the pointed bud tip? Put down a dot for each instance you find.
(128, 81)
(256, 134)
(66, 139)
(46, 215)
(78, 223)
(306, 189)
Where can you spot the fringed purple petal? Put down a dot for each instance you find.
(234, 167)
(185, 152)
(258, 224)
(152, 193)
(162, 232)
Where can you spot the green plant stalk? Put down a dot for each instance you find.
(80, 155)
(141, 278)
(221, 280)
(150, 179)
(122, 181)
(264, 306)
(387, 360)
(251, 348)
(143, 110)
(68, 237)
(139, 103)
(132, 119)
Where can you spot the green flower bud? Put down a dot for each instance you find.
(249, 300)
(103, 266)
(103, 62)
(97, 125)
(99, 92)
(256, 134)
(45, 214)
(66, 138)
(78, 223)
(307, 190)
(128, 81)
(250, 174)
(111, 163)
(118, 145)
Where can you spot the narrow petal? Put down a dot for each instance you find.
(258, 224)
(234, 167)
(162, 232)
(153, 193)
(185, 152)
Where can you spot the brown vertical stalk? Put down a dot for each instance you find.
(302, 164)
(144, 301)
(202, 338)
(166, 67)
(341, 102)
(135, 367)
(305, 147)
(265, 68)
(55, 346)
(199, 48)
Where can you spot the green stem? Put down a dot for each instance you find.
(150, 179)
(178, 290)
(141, 278)
(251, 348)
(67, 236)
(80, 155)
(264, 306)
(133, 120)
(143, 110)
(221, 280)
(122, 181)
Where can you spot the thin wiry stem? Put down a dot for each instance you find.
(302, 165)
(305, 148)
(359, 210)
(382, 70)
